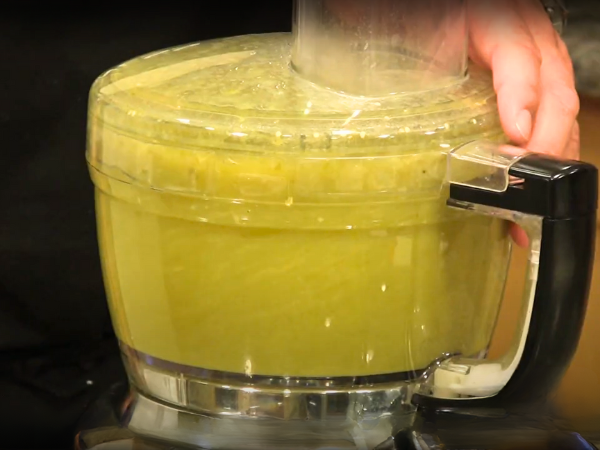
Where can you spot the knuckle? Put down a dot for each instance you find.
(567, 99)
(529, 47)
(564, 57)
(562, 48)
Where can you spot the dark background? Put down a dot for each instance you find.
(57, 351)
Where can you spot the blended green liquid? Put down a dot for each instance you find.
(336, 259)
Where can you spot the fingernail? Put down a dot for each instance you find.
(524, 124)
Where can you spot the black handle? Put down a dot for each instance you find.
(565, 194)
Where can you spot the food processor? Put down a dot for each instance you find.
(305, 237)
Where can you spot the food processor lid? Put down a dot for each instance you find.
(371, 76)
(242, 93)
(251, 119)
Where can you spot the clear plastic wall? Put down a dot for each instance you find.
(380, 47)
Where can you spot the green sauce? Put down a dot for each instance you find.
(251, 222)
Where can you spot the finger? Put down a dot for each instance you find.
(502, 42)
(349, 11)
(545, 36)
(519, 235)
(573, 146)
(559, 103)
(559, 107)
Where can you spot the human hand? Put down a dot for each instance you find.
(533, 77)
(533, 74)
(532, 70)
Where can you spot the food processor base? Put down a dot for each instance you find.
(221, 410)
(117, 420)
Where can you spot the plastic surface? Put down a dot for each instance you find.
(377, 48)
(556, 202)
(488, 162)
(267, 226)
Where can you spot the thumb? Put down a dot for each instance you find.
(501, 41)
